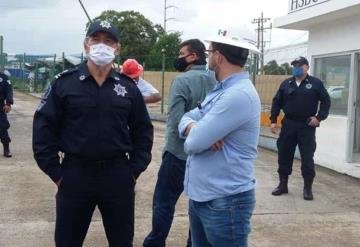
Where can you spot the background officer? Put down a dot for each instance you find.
(6, 100)
(299, 98)
(98, 119)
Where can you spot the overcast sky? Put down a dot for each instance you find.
(54, 26)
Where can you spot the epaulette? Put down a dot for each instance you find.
(65, 72)
(127, 77)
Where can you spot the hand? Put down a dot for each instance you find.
(314, 122)
(188, 128)
(273, 128)
(59, 182)
(7, 108)
(217, 145)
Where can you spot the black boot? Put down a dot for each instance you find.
(282, 188)
(308, 195)
(7, 152)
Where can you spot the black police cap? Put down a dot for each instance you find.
(300, 61)
(103, 26)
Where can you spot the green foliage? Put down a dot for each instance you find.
(171, 45)
(272, 68)
(137, 34)
(143, 40)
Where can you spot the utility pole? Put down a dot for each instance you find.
(86, 13)
(2, 57)
(260, 37)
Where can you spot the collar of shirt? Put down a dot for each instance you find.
(84, 73)
(293, 79)
(231, 80)
(197, 67)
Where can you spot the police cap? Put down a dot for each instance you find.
(103, 26)
(300, 61)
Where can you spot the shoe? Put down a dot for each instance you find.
(7, 152)
(308, 195)
(282, 187)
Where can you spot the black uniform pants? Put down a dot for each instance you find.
(4, 126)
(85, 185)
(296, 133)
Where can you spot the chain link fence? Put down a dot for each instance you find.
(32, 74)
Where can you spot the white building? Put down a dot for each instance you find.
(286, 54)
(334, 53)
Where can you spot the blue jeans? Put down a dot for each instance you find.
(223, 222)
(169, 186)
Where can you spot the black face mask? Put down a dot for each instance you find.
(180, 63)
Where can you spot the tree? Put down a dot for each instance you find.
(137, 34)
(287, 68)
(272, 68)
(170, 42)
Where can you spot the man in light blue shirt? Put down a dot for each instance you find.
(221, 140)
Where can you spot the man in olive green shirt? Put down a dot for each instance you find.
(187, 91)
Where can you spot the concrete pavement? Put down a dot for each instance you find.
(27, 205)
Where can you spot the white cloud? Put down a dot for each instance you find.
(53, 26)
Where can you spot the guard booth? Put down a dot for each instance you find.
(334, 56)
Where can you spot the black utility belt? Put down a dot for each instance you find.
(94, 161)
(297, 118)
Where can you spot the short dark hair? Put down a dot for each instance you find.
(195, 46)
(235, 55)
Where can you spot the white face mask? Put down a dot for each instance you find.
(101, 54)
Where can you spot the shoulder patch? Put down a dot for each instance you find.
(65, 72)
(9, 82)
(127, 78)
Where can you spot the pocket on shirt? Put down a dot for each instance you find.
(121, 103)
(81, 102)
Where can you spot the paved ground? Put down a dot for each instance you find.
(27, 201)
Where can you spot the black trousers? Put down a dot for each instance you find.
(85, 185)
(4, 126)
(296, 133)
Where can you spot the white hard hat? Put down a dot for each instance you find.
(234, 41)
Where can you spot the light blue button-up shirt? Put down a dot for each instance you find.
(231, 112)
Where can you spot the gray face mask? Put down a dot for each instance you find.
(101, 54)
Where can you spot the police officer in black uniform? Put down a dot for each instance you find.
(98, 119)
(6, 100)
(299, 98)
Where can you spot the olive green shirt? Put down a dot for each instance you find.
(186, 91)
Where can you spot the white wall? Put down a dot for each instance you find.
(325, 12)
(339, 36)
(286, 54)
(331, 143)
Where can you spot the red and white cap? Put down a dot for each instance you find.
(132, 68)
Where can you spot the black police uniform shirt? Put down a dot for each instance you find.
(301, 102)
(79, 118)
(6, 91)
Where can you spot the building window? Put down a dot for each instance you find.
(335, 73)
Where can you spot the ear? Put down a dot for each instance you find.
(194, 57)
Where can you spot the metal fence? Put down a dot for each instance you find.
(32, 73)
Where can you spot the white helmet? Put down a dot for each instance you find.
(234, 41)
